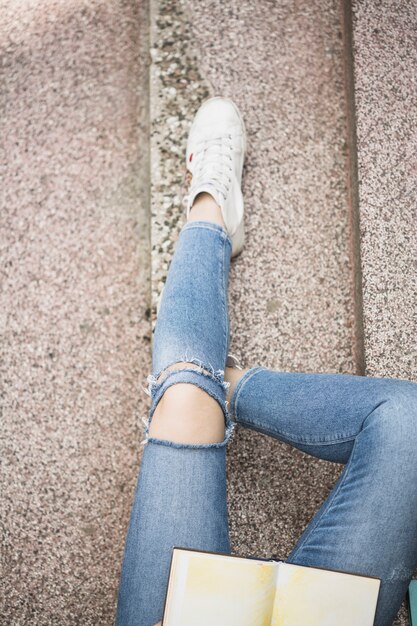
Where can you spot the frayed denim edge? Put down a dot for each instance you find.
(230, 427)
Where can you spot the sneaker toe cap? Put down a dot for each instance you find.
(220, 112)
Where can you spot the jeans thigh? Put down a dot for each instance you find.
(318, 413)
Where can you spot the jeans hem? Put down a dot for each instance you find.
(209, 226)
(239, 386)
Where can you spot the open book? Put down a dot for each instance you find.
(217, 589)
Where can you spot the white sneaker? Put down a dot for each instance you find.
(215, 153)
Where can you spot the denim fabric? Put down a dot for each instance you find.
(193, 321)
(367, 524)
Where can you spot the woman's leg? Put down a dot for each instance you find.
(181, 497)
(368, 523)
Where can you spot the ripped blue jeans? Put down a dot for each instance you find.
(367, 524)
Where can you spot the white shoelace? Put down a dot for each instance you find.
(212, 159)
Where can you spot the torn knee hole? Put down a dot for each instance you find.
(187, 404)
(193, 372)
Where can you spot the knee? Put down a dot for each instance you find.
(187, 413)
(401, 400)
(395, 422)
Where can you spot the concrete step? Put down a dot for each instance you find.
(325, 282)
(385, 100)
(75, 267)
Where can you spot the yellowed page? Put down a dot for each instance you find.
(308, 596)
(218, 590)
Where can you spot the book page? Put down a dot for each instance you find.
(309, 596)
(223, 590)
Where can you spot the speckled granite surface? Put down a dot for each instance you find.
(177, 88)
(81, 276)
(385, 68)
(73, 306)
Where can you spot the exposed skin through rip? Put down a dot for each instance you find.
(188, 414)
